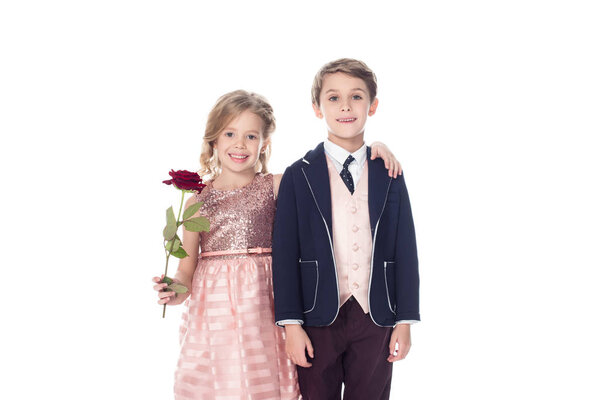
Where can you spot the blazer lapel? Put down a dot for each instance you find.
(317, 174)
(378, 188)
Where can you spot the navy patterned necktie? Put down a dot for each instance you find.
(346, 176)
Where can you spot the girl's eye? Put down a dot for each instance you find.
(333, 98)
(252, 137)
(356, 97)
(229, 134)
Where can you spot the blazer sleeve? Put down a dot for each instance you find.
(286, 253)
(407, 264)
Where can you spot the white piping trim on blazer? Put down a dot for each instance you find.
(337, 284)
(387, 291)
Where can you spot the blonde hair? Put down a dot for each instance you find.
(227, 108)
(349, 66)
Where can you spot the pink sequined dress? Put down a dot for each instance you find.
(230, 346)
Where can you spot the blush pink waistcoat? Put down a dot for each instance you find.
(352, 244)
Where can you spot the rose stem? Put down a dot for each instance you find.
(171, 249)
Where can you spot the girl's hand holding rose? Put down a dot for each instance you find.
(168, 297)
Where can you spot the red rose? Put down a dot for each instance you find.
(185, 180)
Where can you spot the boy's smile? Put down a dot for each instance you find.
(345, 105)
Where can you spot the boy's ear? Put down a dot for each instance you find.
(317, 110)
(373, 107)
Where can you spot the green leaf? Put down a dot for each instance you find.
(177, 288)
(175, 242)
(191, 210)
(171, 228)
(167, 280)
(199, 224)
(180, 253)
(170, 216)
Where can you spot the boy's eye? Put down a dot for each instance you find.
(333, 98)
(252, 137)
(356, 97)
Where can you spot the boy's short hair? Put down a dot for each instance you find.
(350, 66)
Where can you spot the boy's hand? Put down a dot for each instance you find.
(296, 345)
(400, 336)
(380, 150)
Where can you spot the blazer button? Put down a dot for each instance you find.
(353, 210)
(354, 247)
(355, 286)
(355, 228)
(355, 266)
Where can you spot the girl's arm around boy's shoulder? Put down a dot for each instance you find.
(187, 265)
(380, 150)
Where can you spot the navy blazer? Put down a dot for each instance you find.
(305, 279)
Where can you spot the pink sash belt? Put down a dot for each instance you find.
(257, 250)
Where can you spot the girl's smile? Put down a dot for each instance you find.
(238, 158)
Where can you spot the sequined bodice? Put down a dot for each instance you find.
(239, 218)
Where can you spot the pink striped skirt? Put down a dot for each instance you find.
(230, 346)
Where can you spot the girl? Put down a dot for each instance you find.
(230, 346)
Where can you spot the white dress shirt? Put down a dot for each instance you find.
(339, 155)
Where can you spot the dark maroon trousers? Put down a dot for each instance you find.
(353, 351)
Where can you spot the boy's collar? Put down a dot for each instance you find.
(340, 154)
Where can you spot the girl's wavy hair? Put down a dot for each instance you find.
(227, 108)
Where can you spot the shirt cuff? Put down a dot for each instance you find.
(284, 322)
(406, 321)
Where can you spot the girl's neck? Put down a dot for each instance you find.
(228, 180)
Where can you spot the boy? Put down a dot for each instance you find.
(345, 270)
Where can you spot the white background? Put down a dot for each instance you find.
(491, 106)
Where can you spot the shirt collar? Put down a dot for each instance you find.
(340, 154)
